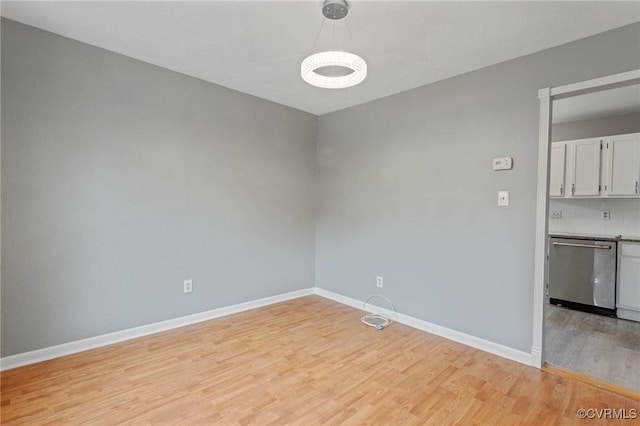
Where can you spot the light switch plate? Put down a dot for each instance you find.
(503, 198)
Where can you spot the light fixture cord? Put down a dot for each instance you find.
(355, 45)
(318, 35)
(333, 69)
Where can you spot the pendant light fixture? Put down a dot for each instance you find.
(334, 69)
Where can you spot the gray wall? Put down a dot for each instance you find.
(121, 179)
(406, 190)
(595, 127)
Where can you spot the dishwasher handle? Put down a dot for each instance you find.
(594, 246)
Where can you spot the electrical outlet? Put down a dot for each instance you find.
(188, 286)
(379, 282)
(605, 215)
(556, 214)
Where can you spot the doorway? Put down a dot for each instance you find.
(571, 338)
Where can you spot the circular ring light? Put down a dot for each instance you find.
(310, 66)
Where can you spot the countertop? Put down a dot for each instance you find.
(586, 236)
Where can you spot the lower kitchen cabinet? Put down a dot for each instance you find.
(628, 300)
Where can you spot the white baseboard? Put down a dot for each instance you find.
(44, 354)
(447, 333)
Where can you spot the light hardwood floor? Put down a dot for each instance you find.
(307, 361)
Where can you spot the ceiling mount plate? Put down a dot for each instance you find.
(335, 9)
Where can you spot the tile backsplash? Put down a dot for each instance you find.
(585, 216)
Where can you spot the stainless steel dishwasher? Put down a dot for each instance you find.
(582, 274)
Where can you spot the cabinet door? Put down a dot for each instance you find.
(629, 277)
(585, 168)
(623, 166)
(556, 169)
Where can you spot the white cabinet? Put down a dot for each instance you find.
(597, 167)
(628, 297)
(556, 169)
(622, 177)
(584, 168)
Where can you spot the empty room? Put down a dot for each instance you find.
(320, 212)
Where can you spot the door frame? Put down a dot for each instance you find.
(546, 97)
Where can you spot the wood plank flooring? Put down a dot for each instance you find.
(307, 361)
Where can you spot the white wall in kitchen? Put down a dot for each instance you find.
(585, 216)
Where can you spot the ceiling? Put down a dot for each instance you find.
(256, 47)
(606, 103)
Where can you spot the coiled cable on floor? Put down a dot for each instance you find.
(377, 320)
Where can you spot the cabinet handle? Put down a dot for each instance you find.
(573, 188)
(636, 187)
(562, 188)
(592, 246)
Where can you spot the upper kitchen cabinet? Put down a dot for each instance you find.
(583, 167)
(597, 167)
(622, 176)
(574, 168)
(556, 169)
(599, 135)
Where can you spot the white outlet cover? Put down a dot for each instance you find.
(379, 282)
(187, 286)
